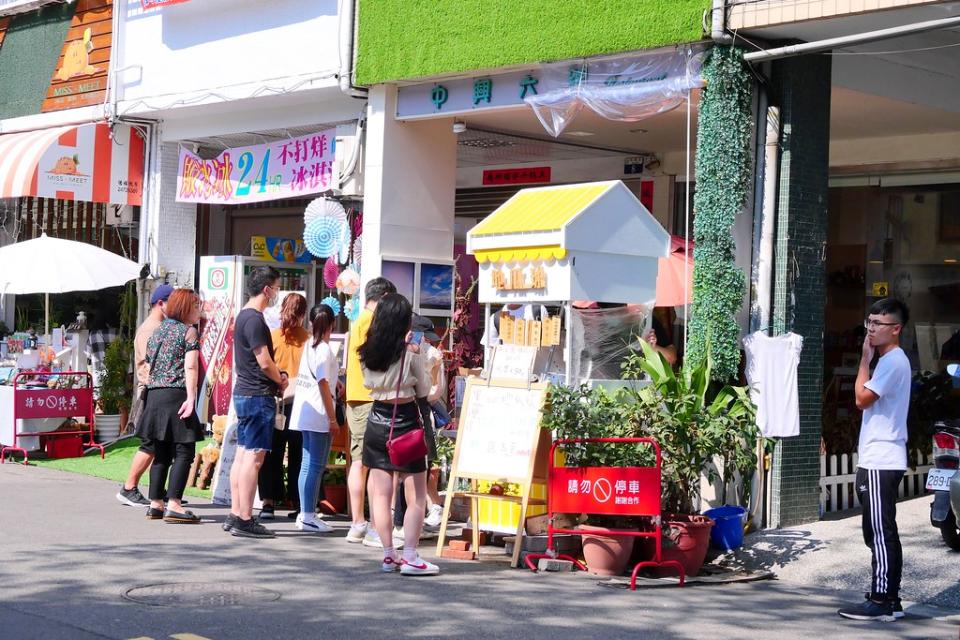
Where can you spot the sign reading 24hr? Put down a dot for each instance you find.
(282, 169)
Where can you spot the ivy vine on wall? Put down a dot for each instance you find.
(723, 169)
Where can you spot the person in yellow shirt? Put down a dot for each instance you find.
(359, 402)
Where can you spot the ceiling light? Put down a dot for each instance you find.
(459, 126)
(638, 130)
(950, 260)
(579, 134)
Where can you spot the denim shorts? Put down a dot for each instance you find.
(255, 419)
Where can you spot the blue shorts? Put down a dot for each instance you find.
(255, 419)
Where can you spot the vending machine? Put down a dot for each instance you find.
(222, 281)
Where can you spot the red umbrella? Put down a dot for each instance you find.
(671, 273)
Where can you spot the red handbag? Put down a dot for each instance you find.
(408, 447)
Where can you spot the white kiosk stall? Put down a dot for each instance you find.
(557, 244)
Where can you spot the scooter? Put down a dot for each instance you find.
(943, 479)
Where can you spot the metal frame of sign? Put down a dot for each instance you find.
(537, 471)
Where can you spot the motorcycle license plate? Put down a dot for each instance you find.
(939, 479)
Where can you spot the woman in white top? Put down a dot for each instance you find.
(396, 379)
(314, 415)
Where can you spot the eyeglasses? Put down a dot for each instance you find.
(873, 324)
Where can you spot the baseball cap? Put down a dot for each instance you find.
(161, 293)
(424, 326)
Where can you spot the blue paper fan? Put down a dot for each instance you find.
(333, 303)
(352, 308)
(322, 236)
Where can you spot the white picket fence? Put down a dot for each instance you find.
(838, 474)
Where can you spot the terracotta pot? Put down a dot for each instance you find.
(606, 555)
(335, 499)
(686, 539)
(124, 418)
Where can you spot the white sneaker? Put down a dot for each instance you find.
(372, 539)
(418, 567)
(390, 565)
(313, 526)
(357, 533)
(398, 538)
(434, 516)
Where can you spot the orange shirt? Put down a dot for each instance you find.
(288, 349)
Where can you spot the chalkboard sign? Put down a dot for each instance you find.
(498, 432)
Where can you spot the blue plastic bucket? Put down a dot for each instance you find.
(727, 531)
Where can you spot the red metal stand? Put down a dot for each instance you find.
(625, 491)
(51, 403)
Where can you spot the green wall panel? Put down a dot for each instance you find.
(29, 56)
(403, 39)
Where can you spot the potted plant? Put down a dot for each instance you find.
(116, 389)
(585, 412)
(334, 491)
(694, 425)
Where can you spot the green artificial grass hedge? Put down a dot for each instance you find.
(404, 39)
(114, 466)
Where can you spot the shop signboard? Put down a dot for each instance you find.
(80, 78)
(273, 249)
(153, 4)
(519, 175)
(288, 168)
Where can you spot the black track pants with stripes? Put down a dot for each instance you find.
(878, 491)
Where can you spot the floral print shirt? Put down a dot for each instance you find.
(166, 350)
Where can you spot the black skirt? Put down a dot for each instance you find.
(375, 454)
(161, 422)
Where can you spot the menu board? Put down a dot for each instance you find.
(499, 431)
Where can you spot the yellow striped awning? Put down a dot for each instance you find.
(540, 210)
(523, 254)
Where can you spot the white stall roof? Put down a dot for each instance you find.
(546, 223)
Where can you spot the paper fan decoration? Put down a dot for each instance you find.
(357, 249)
(351, 309)
(348, 281)
(324, 208)
(330, 273)
(322, 236)
(333, 303)
(345, 244)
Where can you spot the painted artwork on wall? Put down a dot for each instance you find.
(402, 275)
(436, 286)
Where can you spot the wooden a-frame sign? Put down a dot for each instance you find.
(499, 439)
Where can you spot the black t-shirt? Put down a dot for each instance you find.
(663, 338)
(250, 332)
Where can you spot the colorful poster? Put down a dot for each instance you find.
(436, 286)
(273, 249)
(283, 169)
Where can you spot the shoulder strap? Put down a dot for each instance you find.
(393, 418)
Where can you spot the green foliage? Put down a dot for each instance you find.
(693, 424)
(116, 386)
(4, 329)
(403, 39)
(724, 170)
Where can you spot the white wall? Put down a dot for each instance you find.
(209, 51)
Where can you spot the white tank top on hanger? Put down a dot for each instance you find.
(772, 374)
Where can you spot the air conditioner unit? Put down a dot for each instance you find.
(349, 160)
(119, 215)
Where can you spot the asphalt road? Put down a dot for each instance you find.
(70, 552)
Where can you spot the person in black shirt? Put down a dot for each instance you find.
(258, 383)
(658, 338)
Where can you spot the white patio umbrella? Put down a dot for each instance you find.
(51, 265)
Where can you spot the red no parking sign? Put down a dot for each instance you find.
(626, 491)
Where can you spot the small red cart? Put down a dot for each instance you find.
(30, 402)
(623, 491)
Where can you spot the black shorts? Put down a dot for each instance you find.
(146, 446)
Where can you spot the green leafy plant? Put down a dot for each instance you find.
(334, 477)
(116, 386)
(724, 170)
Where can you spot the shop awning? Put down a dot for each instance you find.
(80, 162)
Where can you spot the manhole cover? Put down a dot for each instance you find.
(199, 594)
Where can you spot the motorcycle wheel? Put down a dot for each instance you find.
(949, 532)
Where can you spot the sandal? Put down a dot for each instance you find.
(175, 517)
(154, 514)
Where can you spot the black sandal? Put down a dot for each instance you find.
(175, 517)
(154, 514)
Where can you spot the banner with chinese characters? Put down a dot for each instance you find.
(623, 491)
(52, 403)
(241, 175)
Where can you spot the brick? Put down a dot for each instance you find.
(460, 545)
(457, 555)
(548, 564)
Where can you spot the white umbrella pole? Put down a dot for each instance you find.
(46, 317)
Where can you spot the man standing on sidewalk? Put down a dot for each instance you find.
(258, 383)
(130, 493)
(884, 399)
(358, 410)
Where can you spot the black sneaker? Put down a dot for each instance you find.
(229, 522)
(293, 515)
(251, 529)
(869, 610)
(897, 607)
(131, 497)
(266, 512)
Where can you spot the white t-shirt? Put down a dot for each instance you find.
(883, 432)
(772, 374)
(309, 413)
